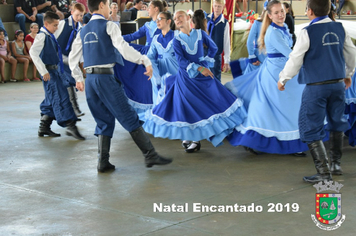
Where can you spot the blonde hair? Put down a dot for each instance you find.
(265, 23)
(220, 2)
(113, 4)
(178, 11)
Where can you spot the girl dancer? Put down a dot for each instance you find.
(272, 122)
(197, 106)
(162, 56)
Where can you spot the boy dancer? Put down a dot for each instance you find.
(46, 55)
(101, 44)
(321, 52)
(66, 33)
(219, 31)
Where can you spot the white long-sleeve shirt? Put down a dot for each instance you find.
(112, 29)
(36, 50)
(302, 45)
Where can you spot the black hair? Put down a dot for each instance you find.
(135, 2)
(93, 5)
(49, 16)
(159, 4)
(319, 7)
(18, 32)
(290, 10)
(199, 20)
(168, 16)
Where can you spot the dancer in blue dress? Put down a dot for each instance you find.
(350, 110)
(197, 106)
(162, 56)
(255, 56)
(272, 122)
(137, 87)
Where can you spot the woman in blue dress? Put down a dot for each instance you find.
(197, 106)
(162, 56)
(272, 122)
(137, 87)
(255, 56)
(350, 110)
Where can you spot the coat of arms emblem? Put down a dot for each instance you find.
(328, 206)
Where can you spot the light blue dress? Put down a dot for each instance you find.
(272, 121)
(164, 63)
(350, 110)
(138, 88)
(195, 107)
(254, 53)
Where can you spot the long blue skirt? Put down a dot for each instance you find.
(195, 109)
(350, 110)
(138, 88)
(272, 122)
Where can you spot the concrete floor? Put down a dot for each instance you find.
(50, 186)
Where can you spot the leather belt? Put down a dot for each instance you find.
(51, 67)
(334, 81)
(97, 70)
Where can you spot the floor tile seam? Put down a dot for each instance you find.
(84, 203)
(183, 226)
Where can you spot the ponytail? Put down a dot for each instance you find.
(266, 23)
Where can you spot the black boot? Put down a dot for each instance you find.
(45, 127)
(74, 100)
(336, 144)
(144, 144)
(318, 152)
(103, 154)
(73, 131)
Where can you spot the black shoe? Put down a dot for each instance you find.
(45, 127)
(317, 178)
(49, 133)
(186, 143)
(106, 167)
(158, 160)
(299, 154)
(72, 130)
(104, 154)
(335, 169)
(193, 147)
(144, 144)
(253, 151)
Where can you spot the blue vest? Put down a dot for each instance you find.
(49, 53)
(64, 37)
(218, 35)
(325, 59)
(97, 45)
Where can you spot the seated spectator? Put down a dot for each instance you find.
(61, 8)
(5, 56)
(21, 54)
(4, 2)
(3, 28)
(28, 43)
(114, 17)
(43, 6)
(26, 11)
(137, 7)
(128, 6)
(144, 7)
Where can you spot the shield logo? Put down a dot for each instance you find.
(328, 207)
